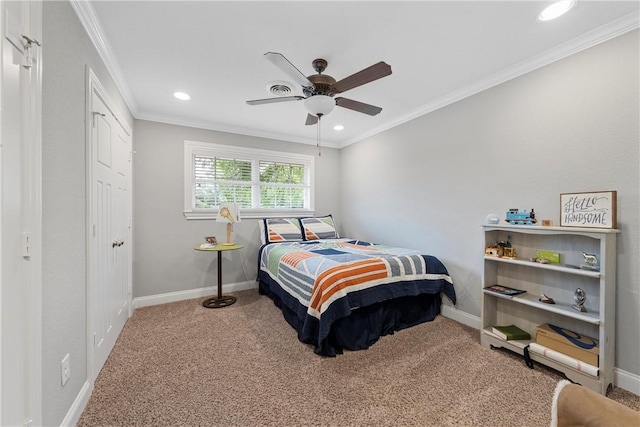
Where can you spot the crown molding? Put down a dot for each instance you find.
(203, 124)
(92, 26)
(592, 38)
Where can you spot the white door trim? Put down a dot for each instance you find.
(29, 131)
(34, 299)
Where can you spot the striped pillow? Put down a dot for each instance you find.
(319, 228)
(282, 230)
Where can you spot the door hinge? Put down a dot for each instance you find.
(31, 41)
(94, 114)
(29, 59)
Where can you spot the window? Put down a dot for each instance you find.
(263, 183)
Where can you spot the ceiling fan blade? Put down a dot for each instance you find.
(369, 74)
(274, 100)
(311, 120)
(360, 107)
(289, 69)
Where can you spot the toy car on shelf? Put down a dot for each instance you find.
(516, 217)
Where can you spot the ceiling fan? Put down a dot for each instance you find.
(319, 89)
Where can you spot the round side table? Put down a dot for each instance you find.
(220, 300)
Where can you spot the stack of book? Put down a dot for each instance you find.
(504, 290)
(510, 332)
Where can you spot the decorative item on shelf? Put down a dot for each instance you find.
(510, 252)
(591, 210)
(579, 297)
(493, 251)
(550, 256)
(492, 219)
(517, 217)
(539, 260)
(590, 262)
(545, 299)
(547, 223)
(209, 242)
(229, 213)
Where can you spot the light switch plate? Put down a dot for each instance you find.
(65, 369)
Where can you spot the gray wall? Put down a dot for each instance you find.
(164, 259)
(571, 126)
(67, 51)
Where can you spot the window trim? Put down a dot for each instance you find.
(221, 150)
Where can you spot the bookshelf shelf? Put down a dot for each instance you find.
(558, 281)
(561, 268)
(561, 308)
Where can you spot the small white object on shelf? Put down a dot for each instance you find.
(493, 219)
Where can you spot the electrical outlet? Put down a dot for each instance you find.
(65, 369)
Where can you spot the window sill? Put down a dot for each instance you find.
(252, 213)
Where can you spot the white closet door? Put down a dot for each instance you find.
(110, 242)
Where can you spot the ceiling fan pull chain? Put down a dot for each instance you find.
(318, 135)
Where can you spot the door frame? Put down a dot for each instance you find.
(30, 130)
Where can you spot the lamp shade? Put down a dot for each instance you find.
(319, 105)
(228, 212)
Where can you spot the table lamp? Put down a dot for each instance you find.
(229, 213)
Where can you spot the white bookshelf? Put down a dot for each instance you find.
(558, 281)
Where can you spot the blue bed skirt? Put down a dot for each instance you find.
(363, 327)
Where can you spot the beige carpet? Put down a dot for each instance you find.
(183, 364)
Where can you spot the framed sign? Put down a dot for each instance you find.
(591, 210)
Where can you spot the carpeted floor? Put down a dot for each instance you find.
(183, 364)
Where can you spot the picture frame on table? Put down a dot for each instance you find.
(594, 209)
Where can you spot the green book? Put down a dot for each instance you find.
(511, 332)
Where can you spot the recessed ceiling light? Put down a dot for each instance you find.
(338, 127)
(182, 96)
(557, 9)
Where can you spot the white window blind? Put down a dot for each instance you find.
(282, 185)
(263, 183)
(218, 180)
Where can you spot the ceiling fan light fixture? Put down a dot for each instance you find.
(319, 105)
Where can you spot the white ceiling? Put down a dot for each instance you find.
(439, 51)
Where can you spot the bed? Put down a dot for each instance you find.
(341, 293)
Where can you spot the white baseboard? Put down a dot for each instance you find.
(191, 294)
(627, 380)
(460, 316)
(78, 405)
(624, 380)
